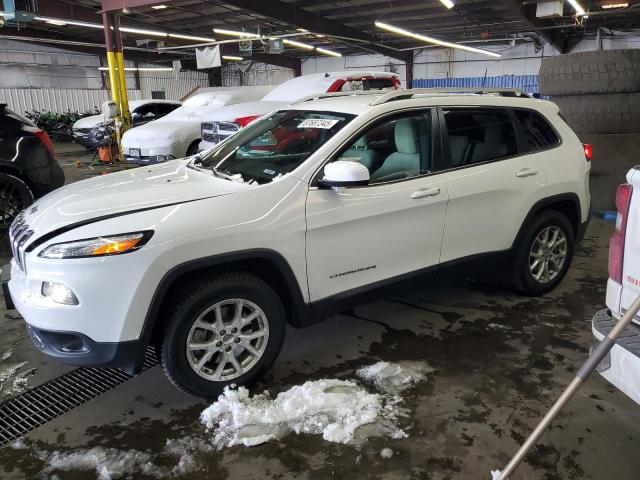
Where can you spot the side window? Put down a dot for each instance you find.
(163, 108)
(146, 111)
(479, 135)
(394, 148)
(537, 133)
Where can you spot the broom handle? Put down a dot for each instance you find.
(583, 374)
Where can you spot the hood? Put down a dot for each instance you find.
(161, 132)
(126, 191)
(89, 122)
(239, 110)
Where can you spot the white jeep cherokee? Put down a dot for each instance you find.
(211, 256)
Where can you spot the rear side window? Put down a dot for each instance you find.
(11, 123)
(537, 133)
(479, 135)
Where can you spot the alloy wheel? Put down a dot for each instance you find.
(548, 254)
(227, 339)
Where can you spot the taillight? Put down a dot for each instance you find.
(616, 244)
(244, 121)
(588, 151)
(43, 137)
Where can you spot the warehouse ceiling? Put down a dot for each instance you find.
(346, 26)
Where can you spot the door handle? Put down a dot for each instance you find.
(526, 172)
(426, 192)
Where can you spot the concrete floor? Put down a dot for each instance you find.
(499, 360)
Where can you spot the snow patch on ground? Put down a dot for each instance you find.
(108, 463)
(13, 376)
(335, 409)
(386, 453)
(394, 378)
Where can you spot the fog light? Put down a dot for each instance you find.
(59, 293)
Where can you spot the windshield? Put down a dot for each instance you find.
(274, 145)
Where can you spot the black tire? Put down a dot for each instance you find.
(521, 276)
(606, 113)
(204, 294)
(193, 148)
(602, 71)
(15, 196)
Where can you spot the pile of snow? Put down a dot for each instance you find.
(332, 408)
(394, 378)
(108, 463)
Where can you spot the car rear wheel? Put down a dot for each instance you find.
(15, 196)
(542, 253)
(228, 330)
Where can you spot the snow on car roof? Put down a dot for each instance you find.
(300, 87)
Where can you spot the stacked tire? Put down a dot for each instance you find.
(598, 94)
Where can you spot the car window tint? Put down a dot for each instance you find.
(164, 108)
(394, 148)
(537, 133)
(10, 124)
(478, 135)
(146, 111)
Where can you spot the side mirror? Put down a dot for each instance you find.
(109, 110)
(343, 173)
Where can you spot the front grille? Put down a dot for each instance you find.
(19, 234)
(39, 405)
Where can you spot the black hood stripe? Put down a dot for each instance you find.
(59, 231)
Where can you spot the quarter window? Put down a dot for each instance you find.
(479, 135)
(394, 148)
(537, 133)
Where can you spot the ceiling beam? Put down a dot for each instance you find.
(300, 18)
(555, 37)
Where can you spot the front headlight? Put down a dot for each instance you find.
(98, 247)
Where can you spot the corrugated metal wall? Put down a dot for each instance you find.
(174, 86)
(235, 74)
(23, 100)
(528, 83)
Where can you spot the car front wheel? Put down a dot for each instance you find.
(542, 253)
(225, 331)
(15, 196)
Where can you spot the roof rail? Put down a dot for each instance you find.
(406, 94)
(318, 96)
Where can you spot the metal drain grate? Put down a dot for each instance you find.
(39, 405)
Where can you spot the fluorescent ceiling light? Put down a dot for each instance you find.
(447, 3)
(231, 58)
(435, 41)
(142, 69)
(293, 43)
(159, 7)
(139, 31)
(50, 20)
(192, 37)
(303, 30)
(59, 23)
(235, 33)
(328, 52)
(577, 7)
(606, 6)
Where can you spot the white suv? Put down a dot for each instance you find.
(210, 257)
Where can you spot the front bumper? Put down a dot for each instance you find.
(621, 367)
(74, 348)
(89, 140)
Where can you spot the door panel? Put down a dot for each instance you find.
(368, 234)
(487, 204)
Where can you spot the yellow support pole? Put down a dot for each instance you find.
(112, 63)
(113, 80)
(124, 100)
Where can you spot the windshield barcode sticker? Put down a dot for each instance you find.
(318, 123)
